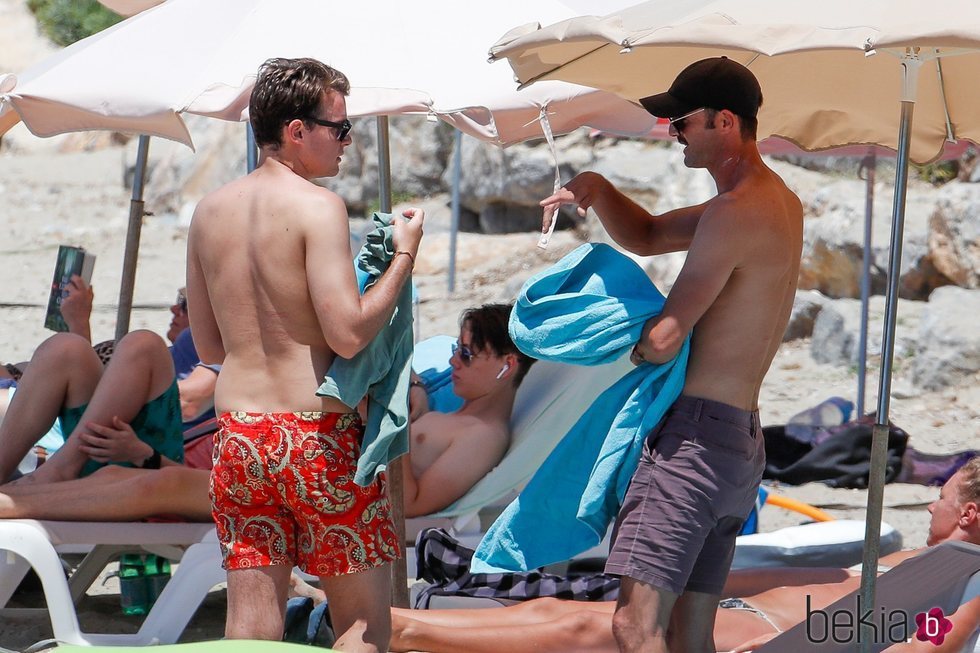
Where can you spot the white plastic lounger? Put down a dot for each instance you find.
(37, 544)
(838, 543)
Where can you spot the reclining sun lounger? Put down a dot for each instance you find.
(36, 544)
(944, 577)
(549, 401)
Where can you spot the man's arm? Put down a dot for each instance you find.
(348, 319)
(628, 223)
(204, 326)
(469, 458)
(717, 248)
(196, 392)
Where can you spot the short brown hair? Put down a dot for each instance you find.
(287, 89)
(488, 327)
(970, 483)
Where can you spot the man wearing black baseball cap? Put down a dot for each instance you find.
(699, 474)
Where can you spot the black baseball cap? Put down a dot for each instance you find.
(716, 83)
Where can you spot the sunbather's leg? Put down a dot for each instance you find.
(63, 372)
(112, 494)
(253, 596)
(141, 370)
(359, 609)
(548, 628)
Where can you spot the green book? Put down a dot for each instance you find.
(71, 261)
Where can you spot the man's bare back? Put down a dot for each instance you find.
(275, 351)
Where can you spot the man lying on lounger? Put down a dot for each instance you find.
(742, 624)
(446, 448)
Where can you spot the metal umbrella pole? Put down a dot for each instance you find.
(251, 151)
(879, 433)
(399, 572)
(454, 220)
(868, 165)
(131, 254)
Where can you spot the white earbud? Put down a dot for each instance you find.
(503, 370)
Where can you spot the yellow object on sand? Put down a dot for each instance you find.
(798, 506)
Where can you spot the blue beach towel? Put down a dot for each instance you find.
(587, 309)
(381, 371)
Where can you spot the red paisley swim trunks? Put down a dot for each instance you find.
(283, 493)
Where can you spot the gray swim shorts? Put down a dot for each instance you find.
(696, 483)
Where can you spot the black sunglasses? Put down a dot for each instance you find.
(343, 128)
(181, 303)
(466, 354)
(680, 122)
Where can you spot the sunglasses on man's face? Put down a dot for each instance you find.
(466, 355)
(680, 122)
(343, 128)
(181, 303)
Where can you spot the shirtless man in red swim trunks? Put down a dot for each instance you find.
(701, 466)
(273, 297)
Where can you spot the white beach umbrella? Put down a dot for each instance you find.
(201, 56)
(834, 72)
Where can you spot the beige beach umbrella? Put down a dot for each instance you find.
(834, 72)
(200, 56)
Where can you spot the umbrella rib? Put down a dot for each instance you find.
(536, 78)
(950, 136)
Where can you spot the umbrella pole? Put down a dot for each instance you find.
(399, 572)
(879, 434)
(251, 152)
(131, 254)
(454, 220)
(868, 166)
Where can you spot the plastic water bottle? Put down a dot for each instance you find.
(132, 585)
(830, 412)
(156, 573)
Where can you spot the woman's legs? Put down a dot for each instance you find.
(63, 372)
(141, 370)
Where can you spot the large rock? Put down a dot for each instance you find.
(837, 330)
(949, 341)
(419, 150)
(834, 240)
(954, 234)
(806, 307)
(502, 187)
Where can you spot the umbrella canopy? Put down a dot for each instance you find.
(829, 70)
(833, 73)
(401, 58)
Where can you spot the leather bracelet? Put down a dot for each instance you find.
(152, 462)
(415, 383)
(408, 254)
